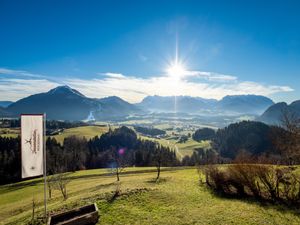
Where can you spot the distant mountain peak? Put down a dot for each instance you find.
(65, 103)
(112, 98)
(275, 112)
(64, 89)
(248, 96)
(232, 104)
(295, 103)
(4, 104)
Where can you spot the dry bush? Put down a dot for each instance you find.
(290, 188)
(245, 176)
(263, 182)
(286, 138)
(220, 181)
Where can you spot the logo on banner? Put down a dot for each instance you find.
(32, 130)
(34, 142)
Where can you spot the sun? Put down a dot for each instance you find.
(176, 70)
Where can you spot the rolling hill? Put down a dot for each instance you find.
(274, 113)
(178, 199)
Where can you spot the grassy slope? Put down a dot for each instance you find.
(9, 132)
(178, 199)
(85, 131)
(186, 148)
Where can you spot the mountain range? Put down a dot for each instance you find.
(65, 103)
(274, 113)
(234, 104)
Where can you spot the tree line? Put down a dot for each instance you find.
(50, 124)
(116, 146)
(280, 144)
(149, 131)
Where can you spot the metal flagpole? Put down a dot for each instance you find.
(45, 169)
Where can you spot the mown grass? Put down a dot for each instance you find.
(186, 148)
(9, 132)
(84, 131)
(177, 199)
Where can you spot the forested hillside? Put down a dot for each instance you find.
(120, 146)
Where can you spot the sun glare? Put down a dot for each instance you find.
(176, 70)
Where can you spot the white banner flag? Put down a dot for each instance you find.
(32, 131)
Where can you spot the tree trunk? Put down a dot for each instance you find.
(118, 177)
(50, 191)
(65, 193)
(158, 172)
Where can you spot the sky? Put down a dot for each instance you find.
(132, 49)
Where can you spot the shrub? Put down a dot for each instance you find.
(263, 182)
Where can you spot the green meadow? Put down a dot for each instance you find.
(178, 198)
(84, 131)
(9, 132)
(182, 149)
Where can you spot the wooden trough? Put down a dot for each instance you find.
(86, 215)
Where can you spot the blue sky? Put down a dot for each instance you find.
(125, 48)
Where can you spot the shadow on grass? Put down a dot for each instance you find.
(159, 181)
(266, 204)
(127, 193)
(101, 186)
(16, 186)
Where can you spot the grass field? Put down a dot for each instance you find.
(177, 199)
(84, 131)
(182, 149)
(9, 132)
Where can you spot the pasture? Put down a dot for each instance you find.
(182, 149)
(177, 199)
(9, 132)
(84, 131)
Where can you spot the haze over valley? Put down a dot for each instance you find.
(65, 103)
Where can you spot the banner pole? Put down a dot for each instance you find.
(45, 170)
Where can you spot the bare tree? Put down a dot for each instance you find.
(158, 157)
(33, 210)
(50, 185)
(57, 166)
(287, 140)
(61, 180)
(119, 161)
